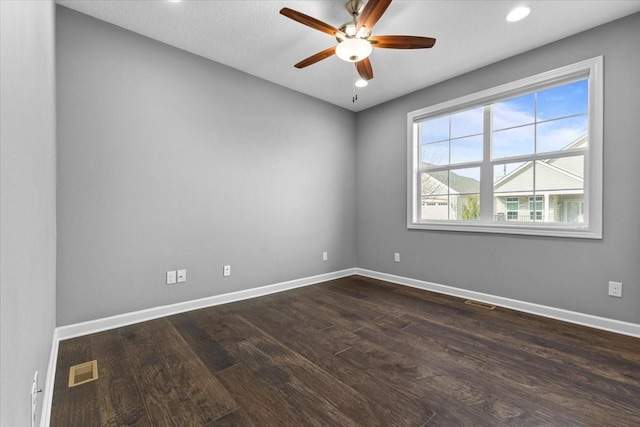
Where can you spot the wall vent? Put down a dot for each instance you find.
(83, 373)
(480, 304)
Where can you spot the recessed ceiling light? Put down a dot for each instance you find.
(174, 1)
(518, 14)
(361, 83)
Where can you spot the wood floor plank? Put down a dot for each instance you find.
(120, 402)
(451, 376)
(274, 320)
(210, 352)
(345, 398)
(260, 404)
(407, 407)
(570, 387)
(309, 404)
(302, 313)
(235, 418)
(175, 385)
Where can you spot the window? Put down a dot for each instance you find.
(535, 208)
(513, 206)
(530, 151)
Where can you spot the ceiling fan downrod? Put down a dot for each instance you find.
(354, 7)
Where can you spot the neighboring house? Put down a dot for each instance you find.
(442, 201)
(559, 191)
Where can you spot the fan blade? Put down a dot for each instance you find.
(402, 42)
(316, 58)
(364, 69)
(371, 13)
(310, 22)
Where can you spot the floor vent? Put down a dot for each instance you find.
(83, 373)
(480, 304)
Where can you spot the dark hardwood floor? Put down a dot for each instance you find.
(351, 352)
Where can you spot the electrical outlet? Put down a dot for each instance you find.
(396, 257)
(171, 277)
(325, 256)
(226, 271)
(182, 276)
(615, 289)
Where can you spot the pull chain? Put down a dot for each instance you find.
(353, 84)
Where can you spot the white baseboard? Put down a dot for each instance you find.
(611, 325)
(98, 325)
(45, 413)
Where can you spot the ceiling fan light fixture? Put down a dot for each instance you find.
(362, 32)
(353, 50)
(518, 14)
(350, 30)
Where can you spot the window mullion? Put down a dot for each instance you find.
(486, 171)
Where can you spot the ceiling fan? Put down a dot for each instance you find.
(355, 40)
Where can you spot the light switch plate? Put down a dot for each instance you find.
(171, 277)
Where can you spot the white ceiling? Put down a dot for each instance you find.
(251, 36)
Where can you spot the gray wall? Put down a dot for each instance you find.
(566, 273)
(167, 161)
(27, 203)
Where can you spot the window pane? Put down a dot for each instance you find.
(563, 101)
(436, 153)
(513, 112)
(513, 178)
(464, 180)
(466, 149)
(434, 130)
(560, 175)
(563, 134)
(467, 123)
(513, 142)
(571, 209)
(435, 183)
(435, 207)
(466, 207)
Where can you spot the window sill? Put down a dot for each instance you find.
(518, 229)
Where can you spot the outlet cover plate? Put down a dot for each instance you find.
(182, 276)
(325, 256)
(226, 271)
(396, 257)
(615, 289)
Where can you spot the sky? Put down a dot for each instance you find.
(538, 122)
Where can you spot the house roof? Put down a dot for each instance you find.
(559, 173)
(457, 183)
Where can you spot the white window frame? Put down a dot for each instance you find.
(591, 228)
